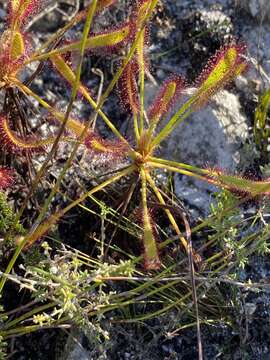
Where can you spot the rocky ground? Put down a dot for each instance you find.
(185, 33)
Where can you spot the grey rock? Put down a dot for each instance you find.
(258, 41)
(2, 14)
(73, 349)
(78, 353)
(241, 83)
(210, 137)
(250, 308)
(258, 9)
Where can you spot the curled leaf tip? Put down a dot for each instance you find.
(21, 11)
(15, 47)
(166, 97)
(221, 69)
(105, 150)
(18, 145)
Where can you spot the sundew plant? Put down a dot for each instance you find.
(151, 126)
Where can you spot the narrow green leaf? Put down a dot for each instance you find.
(261, 132)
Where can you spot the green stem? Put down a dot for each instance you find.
(167, 211)
(36, 310)
(149, 241)
(175, 169)
(179, 165)
(179, 117)
(136, 128)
